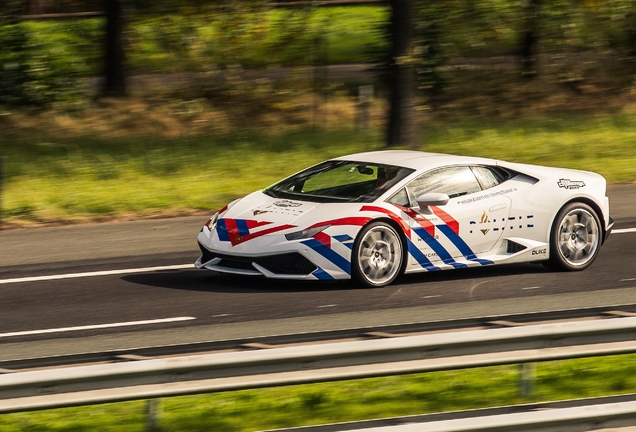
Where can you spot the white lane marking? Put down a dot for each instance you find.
(220, 315)
(326, 306)
(431, 296)
(529, 288)
(97, 273)
(627, 280)
(97, 326)
(623, 231)
(150, 269)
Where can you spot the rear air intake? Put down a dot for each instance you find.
(514, 247)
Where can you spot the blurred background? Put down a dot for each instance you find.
(138, 108)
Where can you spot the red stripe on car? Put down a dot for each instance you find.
(396, 218)
(357, 221)
(448, 219)
(255, 224)
(260, 233)
(428, 226)
(323, 238)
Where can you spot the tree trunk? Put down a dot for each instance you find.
(530, 39)
(114, 54)
(402, 127)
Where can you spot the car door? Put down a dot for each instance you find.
(472, 221)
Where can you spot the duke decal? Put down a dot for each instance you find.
(570, 184)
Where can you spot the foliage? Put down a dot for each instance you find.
(13, 57)
(429, 48)
(251, 37)
(77, 175)
(39, 64)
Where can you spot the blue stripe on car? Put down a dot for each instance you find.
(221, 230)
(241, 226)
(461, 245)
(437, 247)
(420, 257)
(343, 238)
(330, 254)
(322, 275)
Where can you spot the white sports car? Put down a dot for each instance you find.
(373, 216)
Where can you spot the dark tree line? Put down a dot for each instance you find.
(114, 52)
(411, 59)
(402, 124)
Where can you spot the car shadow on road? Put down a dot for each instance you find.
(208, 281)
(474, 273)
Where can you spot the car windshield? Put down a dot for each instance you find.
(339, 181)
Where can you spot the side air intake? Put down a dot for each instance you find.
(514, 247)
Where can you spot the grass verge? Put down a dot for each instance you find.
(291, 406)
(58, 177)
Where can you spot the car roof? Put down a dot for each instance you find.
(415, 159)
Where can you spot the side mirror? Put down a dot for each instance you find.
(432, 199)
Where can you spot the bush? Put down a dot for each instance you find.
(38, 71)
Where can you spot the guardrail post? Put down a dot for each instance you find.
(365, 97)
(153, 412)
(526, 379)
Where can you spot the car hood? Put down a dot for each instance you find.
(261, 208)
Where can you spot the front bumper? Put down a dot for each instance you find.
(289, 264)
(608, 229)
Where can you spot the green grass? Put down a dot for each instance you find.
(251, 410)
(100, 177)
(75, 177)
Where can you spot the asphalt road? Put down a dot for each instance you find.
(185, 305)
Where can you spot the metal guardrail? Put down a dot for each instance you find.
(589, 414)
(574, 419)
(145, 379)
(306, 338)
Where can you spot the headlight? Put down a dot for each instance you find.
(211, 223)
(305, 234)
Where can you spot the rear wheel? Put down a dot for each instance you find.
(575, 238)
(377, 255)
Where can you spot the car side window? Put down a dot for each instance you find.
(400, 198)
(487, 176)
(453, 181)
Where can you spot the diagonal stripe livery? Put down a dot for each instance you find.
(330, 254)
(321, 242)
(238, 231)
(450, 229)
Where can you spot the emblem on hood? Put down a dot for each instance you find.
(286, 203)
(570, 184)
(257, 212)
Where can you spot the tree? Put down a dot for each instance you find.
(402, 78)
(114, 53)
(14, 69)
(530, 39)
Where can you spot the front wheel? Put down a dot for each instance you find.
(575, 238)
(377, 255)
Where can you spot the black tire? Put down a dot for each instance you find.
(378, 255)
(575, 238)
